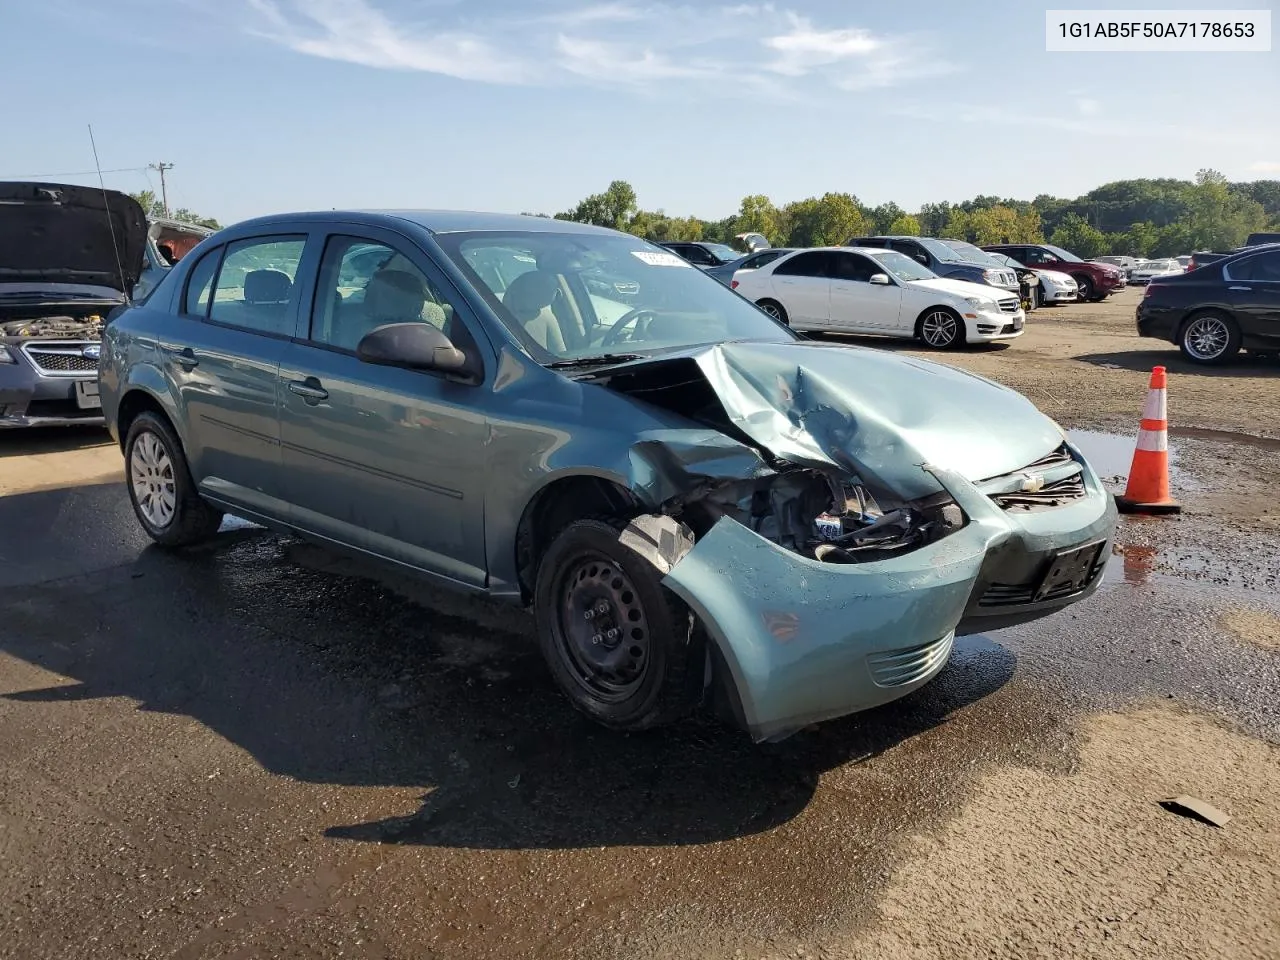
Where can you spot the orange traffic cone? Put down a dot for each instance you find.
(1148, 488)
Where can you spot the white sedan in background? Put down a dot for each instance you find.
(875, 291)
(1149, 270)
(1054, 286)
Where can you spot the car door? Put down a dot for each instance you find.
(239, 305)
(857, 304)
(802, 284)
(388, 460)
(1253, 289)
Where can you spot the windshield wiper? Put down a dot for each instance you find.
(594, 361)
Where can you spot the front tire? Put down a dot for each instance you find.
(619, 645)
(1209, 337)
(1084, 287)
(163, 495)
(776, 310)
(940, 328)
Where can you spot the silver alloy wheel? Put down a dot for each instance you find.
(151, 474)
(939, 328)
(772, 310)
(1207, 338)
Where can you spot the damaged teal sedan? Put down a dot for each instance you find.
(702, 508)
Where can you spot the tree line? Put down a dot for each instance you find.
(154, 208)
(1140, 218)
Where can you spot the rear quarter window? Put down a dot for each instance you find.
(195, 299)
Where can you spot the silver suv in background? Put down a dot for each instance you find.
(68, 257)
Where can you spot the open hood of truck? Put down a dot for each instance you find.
(860, 411)
(60, 233)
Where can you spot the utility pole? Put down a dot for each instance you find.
(164, 193)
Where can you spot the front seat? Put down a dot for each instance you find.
(529, 299)
(390, 296)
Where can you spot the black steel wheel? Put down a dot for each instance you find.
(618, 643)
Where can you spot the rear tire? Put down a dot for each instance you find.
(163, 495)
(619, 645)
(774, 309)
(1209, 337)
(941, 328)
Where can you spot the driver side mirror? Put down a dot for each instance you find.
(879, 279)
(415, 346)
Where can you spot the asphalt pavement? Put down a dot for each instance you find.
(258, 748)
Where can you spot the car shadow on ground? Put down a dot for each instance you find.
(1242, 365)
(35, 440)
(326, 675)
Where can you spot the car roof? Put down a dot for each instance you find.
(877, 251)
(436, 221)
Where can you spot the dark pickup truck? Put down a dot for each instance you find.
(1204, 257)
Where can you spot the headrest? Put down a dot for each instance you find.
(529, 293)
(267, 286)
(395, 295)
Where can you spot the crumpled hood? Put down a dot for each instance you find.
(870, 412)
(60, 233)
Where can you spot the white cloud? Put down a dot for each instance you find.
(622, 63)
(804, 49)
(1087, 106)
(1265, 166)
(355, 31)
(755, 47)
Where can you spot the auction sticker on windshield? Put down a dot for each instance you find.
(655, 259)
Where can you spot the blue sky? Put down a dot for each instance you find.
(272, 105)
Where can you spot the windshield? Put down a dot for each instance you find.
(723, 253)
(901, 266)
(572, 296)
(1006, 261)
(971, 254)
(1062, 254)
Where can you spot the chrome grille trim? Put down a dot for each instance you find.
(61, 358)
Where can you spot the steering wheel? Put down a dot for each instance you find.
(619, 329)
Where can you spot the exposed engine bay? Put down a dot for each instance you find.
(828, 515)
(58, 327)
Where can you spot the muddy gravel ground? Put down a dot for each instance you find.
(259, 749)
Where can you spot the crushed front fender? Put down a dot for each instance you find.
(807, 641)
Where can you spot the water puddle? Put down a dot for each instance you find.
(1226, 436)
(1111, 454)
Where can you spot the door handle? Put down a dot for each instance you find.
(185, 358)
(1242, 289)
(309, 390)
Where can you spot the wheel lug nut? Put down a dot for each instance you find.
(589, 614)
(596, 639)
(612, 634)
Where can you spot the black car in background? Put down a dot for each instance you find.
(1213, 312)
(702, 253)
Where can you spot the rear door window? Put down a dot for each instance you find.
(812, 264)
